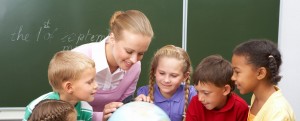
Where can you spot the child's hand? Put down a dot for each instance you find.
(110, 108)
(144, 98)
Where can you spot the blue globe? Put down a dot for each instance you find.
(139, 111)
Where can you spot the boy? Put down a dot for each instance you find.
(72, 78)
(215, 100)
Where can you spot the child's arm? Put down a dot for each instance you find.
(144, 98)
(142, 93)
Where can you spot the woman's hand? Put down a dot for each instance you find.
(110, 108)
(144, 98)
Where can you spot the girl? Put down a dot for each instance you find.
(53, 110)
(117, 59)
(256, 66)
(169, 85)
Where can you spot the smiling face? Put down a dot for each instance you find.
(244, 74)
(85, 87)
(211, 96)
(128, 49)
(169, 75)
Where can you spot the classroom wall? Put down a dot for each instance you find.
(289, 45)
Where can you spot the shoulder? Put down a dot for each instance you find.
(85, 111)
(85, 106)
(195, 99)
(143, 90)
(192, 93)
(135, 66)
(279, 106)
(32, 104)
(239, 102)
(50, 95)
(86, 46)
(135, 69)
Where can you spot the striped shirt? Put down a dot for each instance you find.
(84, 110)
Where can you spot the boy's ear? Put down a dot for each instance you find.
(227, 90)
(67, 86)
(261, 73)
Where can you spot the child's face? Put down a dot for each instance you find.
(85, 87)
(129, 49)
(244, 74)
(211, 96)
(169, 75)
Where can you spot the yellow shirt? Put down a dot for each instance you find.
(250, 116)
(276, 108)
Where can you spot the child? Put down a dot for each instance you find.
(53, 110)
(72, 78)
(169, 82)
(215, 100)
(256, 66)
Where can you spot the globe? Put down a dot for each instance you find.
(139, 111)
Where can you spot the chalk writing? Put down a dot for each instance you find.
(19, 35)
(47, 32)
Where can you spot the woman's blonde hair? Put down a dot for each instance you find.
(132, 21)
(66, 66)
(53, 110)
(174, 52)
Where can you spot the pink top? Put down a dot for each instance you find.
(125, 88)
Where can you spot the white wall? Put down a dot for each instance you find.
(289, 45)
(12, 114)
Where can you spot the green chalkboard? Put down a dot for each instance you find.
(31, 31)
(217, 26)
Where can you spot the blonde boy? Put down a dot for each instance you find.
(72, 78)
(215, 100)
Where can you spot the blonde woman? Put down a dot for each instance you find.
(117, 59)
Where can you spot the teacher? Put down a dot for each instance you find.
(117, 59)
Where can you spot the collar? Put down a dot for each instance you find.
(229, 104)
(78, 108)
(175, 98)
(99, 56)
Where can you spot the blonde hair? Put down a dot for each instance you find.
(131, 20)
(66, 66)
(175, 52)
(53, 110)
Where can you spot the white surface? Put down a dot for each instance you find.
(11, 113)
(289, 45)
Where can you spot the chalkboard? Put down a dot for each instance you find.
(31, 31)
(217, 26)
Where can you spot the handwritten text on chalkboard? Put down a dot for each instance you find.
(48, 33)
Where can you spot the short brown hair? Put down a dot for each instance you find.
(67, 65)
(214, 69)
